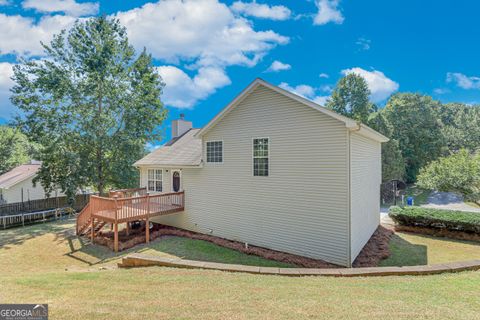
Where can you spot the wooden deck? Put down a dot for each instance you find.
(118, 209)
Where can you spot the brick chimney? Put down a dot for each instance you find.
(180, 126)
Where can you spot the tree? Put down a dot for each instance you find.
(351, 98)
(92, 103)
(417, 129)
(461, 126)
(459, 172)
(393, 164)
(15, 149)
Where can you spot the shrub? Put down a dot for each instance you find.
(436, 218)
(459, 172)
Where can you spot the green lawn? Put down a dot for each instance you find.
(49, 264)
(410, 249)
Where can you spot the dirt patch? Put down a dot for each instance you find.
(442, 233)
(374, 251)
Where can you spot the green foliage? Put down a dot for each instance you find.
(351, 98)
(393, 164)
(15, 149)
(92, 103)
(436, 218)
(417, 129)
(461, 126)
(459, 172)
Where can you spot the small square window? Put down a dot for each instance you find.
(214, 151)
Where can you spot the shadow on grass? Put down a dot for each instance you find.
(61, 229)
(404, 253)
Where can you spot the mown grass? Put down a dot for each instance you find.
(48, 264)
(408, 249)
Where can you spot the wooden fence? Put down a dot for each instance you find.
(8, 209)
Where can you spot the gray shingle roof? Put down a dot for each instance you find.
(185, 150)
(18, 174)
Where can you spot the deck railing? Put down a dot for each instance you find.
(118, 210)
(127, 193)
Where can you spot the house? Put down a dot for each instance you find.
(274, 170)
(16, 185)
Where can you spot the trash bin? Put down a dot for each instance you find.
(410, 201)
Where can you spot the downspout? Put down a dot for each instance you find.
(356, 128)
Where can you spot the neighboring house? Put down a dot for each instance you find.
(16, 185)
(274, 170)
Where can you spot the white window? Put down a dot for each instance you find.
(215, 151)
(155, 180)
(260, 157)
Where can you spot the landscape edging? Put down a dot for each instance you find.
(141, 260)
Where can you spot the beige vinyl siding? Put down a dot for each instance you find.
(365, 190)
(301, 207)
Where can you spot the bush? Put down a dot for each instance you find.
(436, 218)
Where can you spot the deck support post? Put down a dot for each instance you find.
(115, 237)
(127, 229)
(92, 229)
(147, 230)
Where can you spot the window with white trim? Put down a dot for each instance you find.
(155, 178)
(214, 151)
(260, 157)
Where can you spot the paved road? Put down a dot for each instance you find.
(437, 200)
(448, 200)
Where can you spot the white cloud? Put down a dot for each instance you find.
(277, 66)
(381, 87)
(6, 72)
(328, 11)
(306, 91)
(363, 44)
(22, 35)
(324, 75)
(204, 32)
(70, 7)
(441, 90)
(264, 11)
(5, 2)
(182, 91)
(463, 81)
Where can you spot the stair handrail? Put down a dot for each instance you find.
(83, 217)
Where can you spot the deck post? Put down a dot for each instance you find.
(92, 229)
(115, 238)
(127, 229)
(148, 202)
(147, 230)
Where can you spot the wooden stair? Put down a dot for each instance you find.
(84, 222)
(87, 228)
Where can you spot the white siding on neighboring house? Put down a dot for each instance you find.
(14, 193)
(300, 208)
(365, 159)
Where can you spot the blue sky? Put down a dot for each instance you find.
(207, 51)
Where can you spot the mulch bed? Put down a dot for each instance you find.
(374, 251)
(443, 233)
